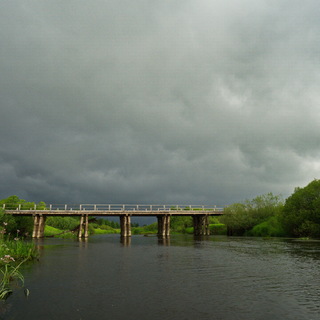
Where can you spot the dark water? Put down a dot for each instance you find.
(218, 278)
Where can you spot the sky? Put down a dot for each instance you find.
(158, 102)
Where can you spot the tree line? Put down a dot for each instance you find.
(265, 215)
(270, 215)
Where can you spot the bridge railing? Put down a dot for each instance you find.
(115, 207)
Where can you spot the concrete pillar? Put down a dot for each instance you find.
(125, 225)
(201, 225)
(86, 226)
(164, 225)
(35, 226)
(38, 226)
(80, 227)
(42, 224)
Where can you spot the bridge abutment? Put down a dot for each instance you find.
(201, 225)
(164, 225)
(125, 225)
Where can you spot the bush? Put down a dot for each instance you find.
(218, 229)
(301, 212)
(242, 217)
(270, 228)
(63, 223)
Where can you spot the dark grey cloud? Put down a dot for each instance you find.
(175, 101)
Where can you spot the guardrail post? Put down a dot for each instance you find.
(50, 207)
(65, 207)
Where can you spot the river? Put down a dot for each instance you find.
(225, 278)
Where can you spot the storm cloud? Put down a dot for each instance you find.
(191, 102)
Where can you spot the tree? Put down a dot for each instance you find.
(240, 218)
(18, 225)
(301, 212)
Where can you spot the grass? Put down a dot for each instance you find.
(18, 249)
(106, 231)
(54, 232)
(13, 253)
(10, 274)
(50, 231)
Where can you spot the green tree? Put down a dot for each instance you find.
(240, 218)
(18, 225)
(179, 223)
(301, 213)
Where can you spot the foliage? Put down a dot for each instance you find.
(106, 222)
(54, 232)
(270, 228)
(63, 223)
(301, 212)
(18, 248)
(149, 229)
(218, 229)
(9, 273)
(106, 231)
(13, 202)
(12, 251)
(24, 224)
(179, 224)
(242, 217)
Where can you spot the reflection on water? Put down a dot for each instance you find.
(125, 241)
(180, 277)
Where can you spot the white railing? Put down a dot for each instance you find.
(115, 207)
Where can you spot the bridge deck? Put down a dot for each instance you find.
(115, 212)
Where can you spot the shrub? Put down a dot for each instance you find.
(270, 228)
(242, 217)
(301, 212)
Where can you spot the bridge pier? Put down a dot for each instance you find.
(164, 225)
(84, 226)
(125, 225)
(38, 226)
(201, 225)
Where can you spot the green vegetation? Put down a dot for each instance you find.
(267, 215)
(10, 274)
(63, 223)
(240, 218)
(149, 229)
(270, 228)
(301, 212)
(23, 224)
(14, 251)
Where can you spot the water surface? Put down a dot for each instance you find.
(181, 278)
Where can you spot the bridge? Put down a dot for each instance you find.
(163, 213)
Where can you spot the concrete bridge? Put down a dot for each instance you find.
(163, 213)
